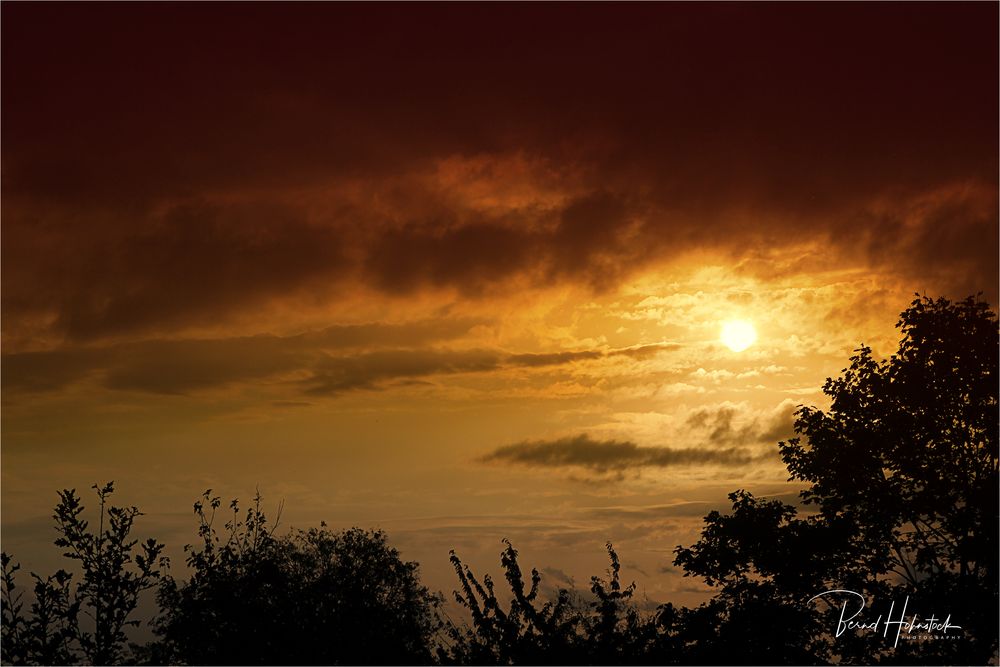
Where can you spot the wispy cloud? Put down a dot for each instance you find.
(606, 456)
(371, 371)
(325, 362)
(728, 424)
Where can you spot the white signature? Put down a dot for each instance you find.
(847, 620)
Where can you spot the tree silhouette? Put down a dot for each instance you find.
(565, 630)
(87, 621)
(764, 562)
(902, 474)
(45, 635)
(527, 632)
(309, 597)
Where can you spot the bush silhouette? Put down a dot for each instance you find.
(86, 620)
(309, 597)
(565, 630)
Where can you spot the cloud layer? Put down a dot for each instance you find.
(305, 154)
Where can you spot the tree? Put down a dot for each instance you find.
(764, 562)
(309, 597)
(45, 635)
(88, 620)
(564, 630)
(525, 633)
(902, 475)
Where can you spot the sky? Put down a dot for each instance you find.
(459, 271)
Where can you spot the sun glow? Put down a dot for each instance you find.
(738, 335)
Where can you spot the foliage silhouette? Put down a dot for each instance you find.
(523, 633)
(564, 630)
(45, 635)
(309, 597)
(902, 474)
(87, 621)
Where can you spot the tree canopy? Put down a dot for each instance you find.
(309, 597)
(901, 498)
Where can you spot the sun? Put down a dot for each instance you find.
(738, 335)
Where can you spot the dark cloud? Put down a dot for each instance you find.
(410, 334)
(719, 424)
(556, 358)
(180, 366)
(646, 351)
(311, 360)
(939, 237)
(558, 576)
(702, 89)
(274, 152)
(583, 240)
(472, 257)
(177, 367)
(124, 272)
(608, 456)
(780, 424)
(334, 375)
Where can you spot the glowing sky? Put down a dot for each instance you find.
(459, 271)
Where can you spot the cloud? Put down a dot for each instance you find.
(559, 576)
(604, 456)
(188, 263)
(555, 358)
(730, 424)
(232, 183)
(334, 375)
(938, 235)
(532, 360)
(715, 376)
(478, 252)
(315, 361)
(180, 366)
